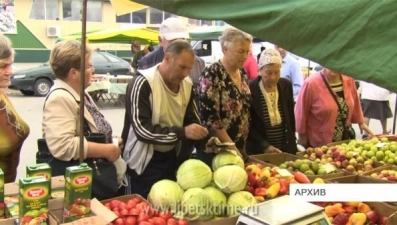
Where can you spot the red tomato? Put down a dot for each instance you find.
(130, 220)
(151, 221)
(137, 199)
(134, 212)
(107, 205)
(165, 215)
(183, 222)
(143, 217)
(144, 204)
(122, 205)
(119, 221)
(131, 203)
(114, 203)
(144, 223)
(159, 221)
(172, 221)
(155, 212)
(124, 212)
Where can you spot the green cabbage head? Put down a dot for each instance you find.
(230, 178)
(166, 194)
(226, 158)
(193, 173)
(238, 201)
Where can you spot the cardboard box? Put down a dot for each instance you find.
(103, 216)
(379, 169)
(124, 198)
(223, 221)
(277, 159)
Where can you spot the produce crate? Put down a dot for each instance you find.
(124, 198)
(102, 215)
(277, 159)
(378, 169)
(390, 137)
(384, 210)
(338, 143)
(221, 221)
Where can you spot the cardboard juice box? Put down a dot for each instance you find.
(33, 200)
(78, 185)
(42, 169)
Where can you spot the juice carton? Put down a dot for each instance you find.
(12, 206)
(78, 185)
(33, 200)
(2, 207)
(42, 169)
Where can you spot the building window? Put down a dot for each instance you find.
(72, 10)
(138, 17)
(157, 16)
(195, 22)
(44, 10)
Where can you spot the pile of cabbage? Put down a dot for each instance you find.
(203, 194)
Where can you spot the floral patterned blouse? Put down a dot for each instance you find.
(222, 105)
(101, 123)
(343, 111)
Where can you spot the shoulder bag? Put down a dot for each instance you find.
(104, 184)
(348, 131)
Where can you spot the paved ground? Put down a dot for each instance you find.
(30, 108)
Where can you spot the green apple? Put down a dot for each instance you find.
(370, 154)
(390, 161)
(360, 159)
(393, 147)
(349, 155)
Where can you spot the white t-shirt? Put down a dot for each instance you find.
(372, 92)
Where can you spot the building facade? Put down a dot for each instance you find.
(34, 25)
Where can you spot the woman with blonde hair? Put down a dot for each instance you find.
(224, 95)
(13, 129)
(61, 121)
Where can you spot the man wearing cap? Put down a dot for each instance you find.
(291, 70)
(171, 29)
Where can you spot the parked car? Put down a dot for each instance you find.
(38, 81)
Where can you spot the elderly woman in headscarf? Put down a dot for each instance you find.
(272, 124)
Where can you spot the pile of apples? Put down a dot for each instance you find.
(307, 167)
(137, 211)
(357, 213)
(265, 182)
(389, 175)
(341, 157)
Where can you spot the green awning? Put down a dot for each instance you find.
(355, 37)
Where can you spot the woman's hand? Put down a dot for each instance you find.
(272, 149)
(364, 127)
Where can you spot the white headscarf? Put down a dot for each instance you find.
(269, 56)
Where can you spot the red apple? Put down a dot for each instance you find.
(372, 216)
(249, 189)
(260, 191)
(382, 220)
(340, 219)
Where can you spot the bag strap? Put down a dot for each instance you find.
(333, 96)
(87, 129)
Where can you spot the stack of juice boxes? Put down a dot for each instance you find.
(78, 185)
(34, 192)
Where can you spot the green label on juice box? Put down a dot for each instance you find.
(78, 185)
(36, 170)
(33, 200)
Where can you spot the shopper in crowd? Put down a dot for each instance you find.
(251, 66)
(160, 113)
(272, 125)
(172, 29)
(291, 70)
(13, 129)
(61, 121)
(224, 95)
(263, 48)
(375, 105)
(138, 54)
(327, 105)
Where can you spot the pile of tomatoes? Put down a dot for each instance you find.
(137, 211)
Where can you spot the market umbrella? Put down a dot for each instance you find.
(144, 35)
(353, 37)
(122, 7)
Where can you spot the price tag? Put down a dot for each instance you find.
(380, 145)
(355, 153)
(284, 173)
(328, 167)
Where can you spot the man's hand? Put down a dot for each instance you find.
(195, 132)
(272, 149)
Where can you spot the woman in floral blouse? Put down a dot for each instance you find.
(224, 95)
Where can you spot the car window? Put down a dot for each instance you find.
(97, 58)
(113, 58)
(203, 48)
